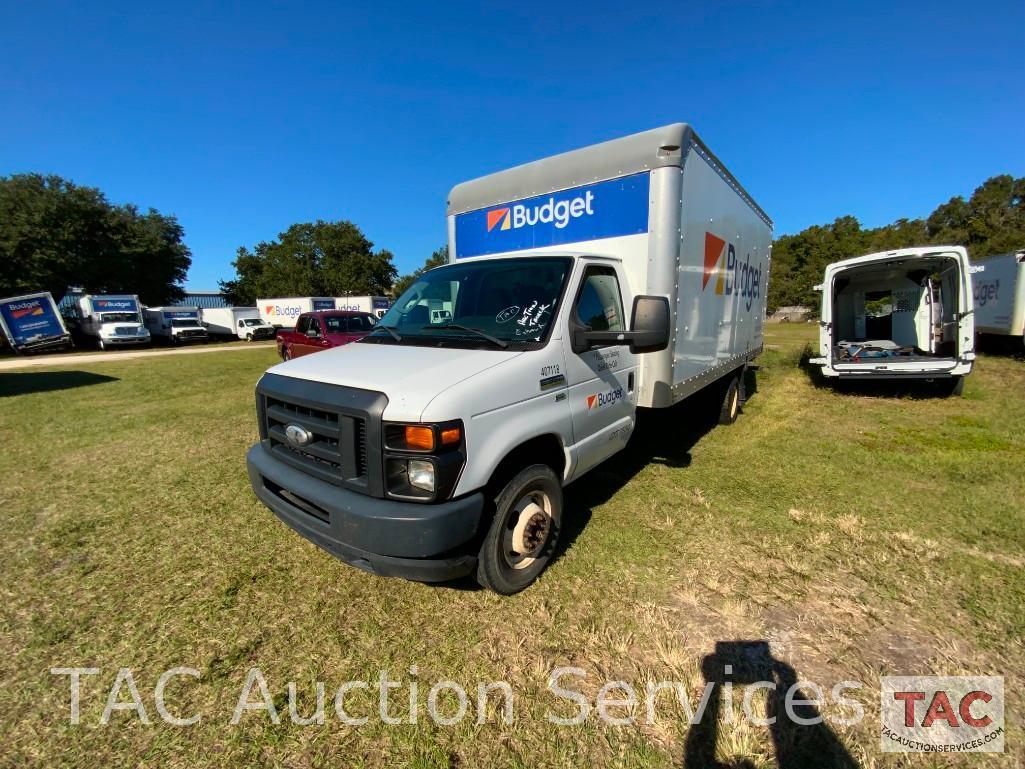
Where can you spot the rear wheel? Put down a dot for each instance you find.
(285, 354)
(730, 408)
(953, 387)
(524, 532)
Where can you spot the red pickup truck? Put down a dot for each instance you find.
(322, 330)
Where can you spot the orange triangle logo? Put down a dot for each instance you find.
(495, 216)
(590, 401)
(713, 251)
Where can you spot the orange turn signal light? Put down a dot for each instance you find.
(451, 436)
(418, 437)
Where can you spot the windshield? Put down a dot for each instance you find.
(119, 317)
(354, 324)
(253, 321)
(184, 323)
(512, 300)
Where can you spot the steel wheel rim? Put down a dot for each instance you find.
(527, 530)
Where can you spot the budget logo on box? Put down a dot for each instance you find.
(942, 714)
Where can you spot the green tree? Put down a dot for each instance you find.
(991, 221)
(436, 259)
(55, 234)
(311, 259)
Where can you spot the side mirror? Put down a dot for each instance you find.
(312, 333)
(650, 329)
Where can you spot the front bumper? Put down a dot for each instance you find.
(125, 340)
(382, 536)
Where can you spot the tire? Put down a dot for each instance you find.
(100, 345)
(528, 513)
(951, 388)
(285, 354)
(730, 409)
(249, 337)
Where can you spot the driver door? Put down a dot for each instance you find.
(601, 381)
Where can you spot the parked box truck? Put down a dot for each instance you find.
(31, 323)
(581, 287)
(904, 314)
(999, 291)
(241, 322)
(284, 312)
(176, 325)
(375, 305)
(113, 321)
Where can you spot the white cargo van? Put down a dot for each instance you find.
(999, 283)
(241, 322)
(904, 314)
(284, 312)
(112, 320)
(176, 325)
(375, 305)
(581, 287)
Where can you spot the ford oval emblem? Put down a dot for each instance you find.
(298, 435)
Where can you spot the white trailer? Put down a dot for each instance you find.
(904, 314)
(283, 312)
(32, 322)
(375, 305)
(241, 322)
(113, 320)
(580, 287)
(999, 290)
(175, 325)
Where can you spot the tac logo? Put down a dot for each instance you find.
(26, 308)
(556, 212)
(598, 400)
(942, 714)
(733, 277)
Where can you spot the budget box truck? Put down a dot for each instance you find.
(241, 322)
(581, 287)
(898, 315)
(284, 312)
(32, 323)
(176, 325)
(374, 305)
(112, 320)
(999, 291)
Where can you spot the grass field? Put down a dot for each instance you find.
(857, 535)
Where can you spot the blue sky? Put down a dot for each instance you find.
(242, 119)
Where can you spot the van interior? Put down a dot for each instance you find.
(903, 310)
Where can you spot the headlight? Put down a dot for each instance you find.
(423, 461)
(421, 474)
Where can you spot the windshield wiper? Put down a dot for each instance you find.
(390, 329)
(455, 326)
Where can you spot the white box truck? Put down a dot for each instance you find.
(175, 325)
(241, 322)
(581, 287)
(32, 323)
(898, 315)
(375, 305)
(284, 312)
(112, 320)
(999, 291)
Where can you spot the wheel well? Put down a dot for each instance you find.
(544, 449)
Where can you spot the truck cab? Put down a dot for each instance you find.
(176, 325)
(254, 329)
(384, 451)
(113, 321)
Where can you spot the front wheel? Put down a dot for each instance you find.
(285, 354)
(524, 532)
(249, 337)
(100, 344)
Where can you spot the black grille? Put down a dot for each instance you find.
(345, 446)
(193, 333)
(337, 451)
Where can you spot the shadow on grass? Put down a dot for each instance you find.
(916, 389)
(742, 663)
(22, 383)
